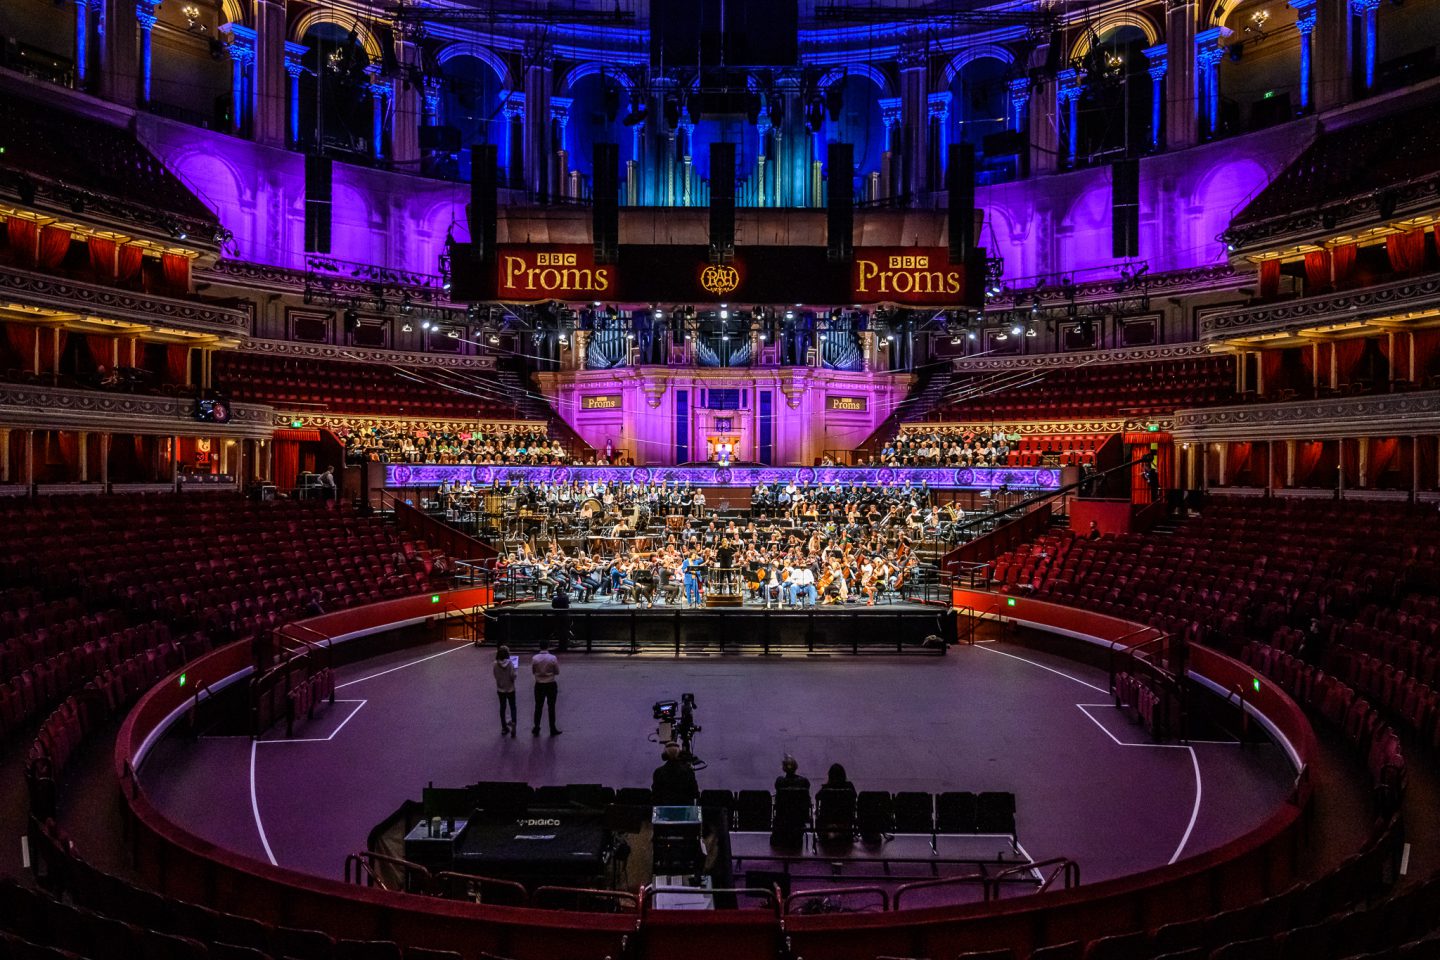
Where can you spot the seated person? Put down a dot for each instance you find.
(673, 783)
(835, 808)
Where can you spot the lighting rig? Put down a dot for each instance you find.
(1072, 301)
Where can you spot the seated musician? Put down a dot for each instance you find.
(773, 590)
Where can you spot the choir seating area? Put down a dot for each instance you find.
(1098, 390)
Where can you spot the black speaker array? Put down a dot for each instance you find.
(722, 201)
(1125, 212)
(840, 202)
(484, 207)
(318, 204)
(605, 212)
(960, 187)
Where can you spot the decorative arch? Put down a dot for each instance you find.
(233, 11)
(985, 50)
(873, 74)
(591, 68)
(1113, 21)
(484, 55)
(318, 16)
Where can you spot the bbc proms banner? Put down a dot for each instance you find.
(532, 273)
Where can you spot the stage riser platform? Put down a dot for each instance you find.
(728, 631)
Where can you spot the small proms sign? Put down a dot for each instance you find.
(601, 401)
(847, 404)
(919, 275)
(566, 272)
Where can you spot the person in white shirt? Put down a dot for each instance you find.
(546, 668)
(802, 584)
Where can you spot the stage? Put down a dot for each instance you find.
(609, 627)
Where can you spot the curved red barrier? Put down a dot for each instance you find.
(176, 862)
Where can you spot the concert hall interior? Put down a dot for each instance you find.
(941, 479)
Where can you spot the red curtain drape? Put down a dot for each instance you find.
(1269, 279)
(1271, 363)
(21, 337)
(1238, 461)
(1384, 452)
(1350, 461)
(130, 259)
(54, 244)
(103, 257)
(1307, 458)
(1427, 343)
(1343, 258)
(177, 362)
(1347, 356)
(1317, 271)
(1395, 348)
(176, 270)
(1406, 251)
(287, 464)
(24, 236)
(102, 349)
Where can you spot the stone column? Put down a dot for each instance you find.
(268, 84)
(82, 456)
(1208, 54)
(117, 39)
(242, 56)
(686, 146)
(105, 439)
(1305, 26)
(380, 92)
(1019, 89)
(1365, 11)
(940, 117)
(914, 94)
(4, 454)
(1182, 124)
(1067, 104)
(82, 43)
(514, 112)
(405, 124)
(762, 157)
(1158, 56)
(890, 114)
(294, 67)
(539, 81)
(559, 156)
(145, 18)
(1044, 125)
(1331, 47)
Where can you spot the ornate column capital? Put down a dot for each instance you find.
(914, 56)
(890, 112)
(940, 105)
(378, 86)
(560, 109)
(432, 93)
(1157, 55)
(1019, 88)
(1361, 7)
(1068, 86)
(241, 45)
(145, 14)
(1208, 50)
(294, 58)
(514, 105)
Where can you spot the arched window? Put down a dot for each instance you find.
(472, 106)
(979, 108)
(1115, 99)
(860, 122)
(336, 111)
(597, 102)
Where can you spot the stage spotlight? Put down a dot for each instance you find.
(1016, 330)
(659, 313)
(406, 327)
(405, 305)
(725, 337)
(425, 325)
(970, 335)
(724, 314)
(789, 314)
(1035, 305)
(494, 339)
(564, 338)
(446, 285)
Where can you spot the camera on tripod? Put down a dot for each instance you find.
(677, 724)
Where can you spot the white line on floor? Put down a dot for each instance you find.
(1194, 762)
(358, 705)
(1043, 667)
(255, 809)
(463, 646)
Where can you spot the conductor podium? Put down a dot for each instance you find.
(724, 588)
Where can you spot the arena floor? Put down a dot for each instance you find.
(992, 716)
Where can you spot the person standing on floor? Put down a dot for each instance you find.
(505, 669)
(546, 669)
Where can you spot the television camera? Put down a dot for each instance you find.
(677, 724)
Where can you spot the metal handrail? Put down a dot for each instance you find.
(786, 905)
(648, 892)
(1063, 865)
(364, 864)
(439, 886)
(963, 880)
(628, 900)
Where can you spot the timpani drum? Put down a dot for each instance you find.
(675, 523)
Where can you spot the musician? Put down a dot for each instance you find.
(802, 585)
(690, 569)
